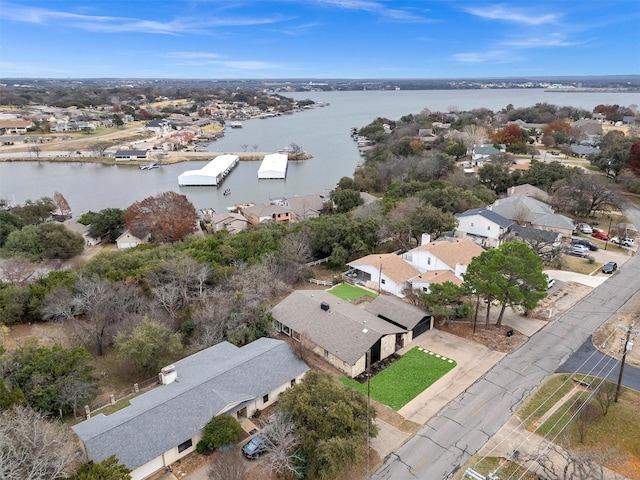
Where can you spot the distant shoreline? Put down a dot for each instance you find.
(169, 159)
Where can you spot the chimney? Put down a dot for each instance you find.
(168, 375)
(324, 306)
(426, 238)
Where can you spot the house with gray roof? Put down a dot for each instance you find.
(341, 332)
(529, 211)
(163, 425)
(483, 226)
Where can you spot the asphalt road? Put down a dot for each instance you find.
(461, 428)
(589, 360)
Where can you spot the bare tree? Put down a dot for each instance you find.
(17, 270)
(226, 465)
(33, 448)
(588, 463)
(254, 147)
(295, 151)
(583, 194)
(605, 395)
(282, 457)
(587, 414)
(63, 205)
(244, 147)
(37, 150)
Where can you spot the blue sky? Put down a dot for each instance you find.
(223, 39)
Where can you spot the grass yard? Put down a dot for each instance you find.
(349, 292)
(406, 378)
(620, 428)
(580, 265)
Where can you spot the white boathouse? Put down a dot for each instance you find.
(211, 174)
(273, 165)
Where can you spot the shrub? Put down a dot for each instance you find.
(219, 431)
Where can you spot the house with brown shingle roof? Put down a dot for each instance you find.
(14, 126)
(384, 272)
(452, 254)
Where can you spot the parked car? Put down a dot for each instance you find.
(600, 235)
(550, 282)
(624, 242)
(586, 228)
(578, 251)
(585, 243)
(255, 447)
(609, 267)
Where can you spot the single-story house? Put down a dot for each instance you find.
(401, 313)
(164, 424)
(83, 230)
(304, 207)
(529, 211)
(343, 333)
(483, 226)
(129, 240)
(231, 222)
(386, 272)
(14, 126)
(266, 212)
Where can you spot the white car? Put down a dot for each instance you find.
(586, 228)
(625, 242)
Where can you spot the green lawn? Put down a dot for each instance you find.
(406, 378)
(349, 292)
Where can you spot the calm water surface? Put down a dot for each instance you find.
(323, 132)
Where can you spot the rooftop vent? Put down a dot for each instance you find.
(324, 306)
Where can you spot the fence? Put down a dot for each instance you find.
(321, 282)
(132, 391)
(317, 262)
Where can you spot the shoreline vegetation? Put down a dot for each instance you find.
(169, 158)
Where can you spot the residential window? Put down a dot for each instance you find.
(286, 330)
(382, 281)
(429, 261)
(472, 224)
(326, 354)
(489, 227)
(293, 382)
(184, 445)
(265, 399)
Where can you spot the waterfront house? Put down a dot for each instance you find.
(129, 240)
(130, 155)
(165, 424)
(83, 230)
(266, 212)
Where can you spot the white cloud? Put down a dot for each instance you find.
(113, 24)
(491, 56)
(508, 13)
(552, 40)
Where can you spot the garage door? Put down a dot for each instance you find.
(423, 326)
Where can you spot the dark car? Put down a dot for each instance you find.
(609, 267)
(586, 243)
(255, 447)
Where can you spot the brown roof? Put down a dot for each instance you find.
(459, 251)
(437, 276)
(393, 266)
(14, 123)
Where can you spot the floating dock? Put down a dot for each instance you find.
(211, 174)
(273, 165)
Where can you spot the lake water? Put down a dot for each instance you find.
(323, 132)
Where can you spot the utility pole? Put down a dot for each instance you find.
(628, 345)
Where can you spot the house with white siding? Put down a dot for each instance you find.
(165, 424)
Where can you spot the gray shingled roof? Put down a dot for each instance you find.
(210, 382)
(397, 310)
(489, 215)
(339, 330)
